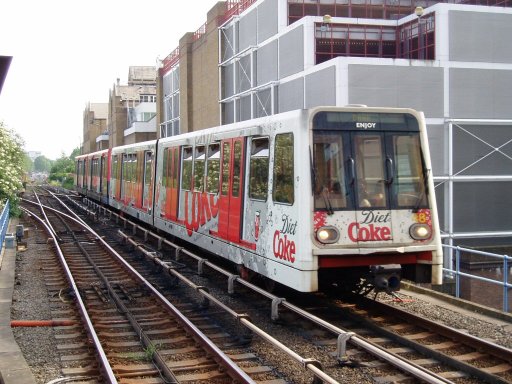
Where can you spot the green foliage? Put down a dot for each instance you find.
(12, 160)
(42, 164)
(63, 169)
(28, 164)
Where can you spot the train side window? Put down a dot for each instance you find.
(283, 169)
(186, 180)
(129, 168)
(237, 163)
(124, 167)
(147, 169)
(258, 169)
(135, 170)
(104, 175)
(199, 160)
(175, 167)
(213, 168)
(114, 167)
(165, 169)
(226, 155)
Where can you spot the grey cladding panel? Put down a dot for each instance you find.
(474, 149)
(243, 68)
(480, 206)
(247, 30)
(228, 43)
(437, 141)
(263, 103)
(291, 52)
(420, 88)
(480, 37)
(480, 93)
(291, 95)
(267, 63)
(321, 88)
(227, 80)
(267, 19)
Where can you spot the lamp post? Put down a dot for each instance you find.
(418, 11)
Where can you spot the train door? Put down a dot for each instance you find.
(116, 177)
(231, 193)
(84, 175)
(147, 193)
(124, 176)
(103, 175)
(171, 181)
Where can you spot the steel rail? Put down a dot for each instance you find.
(311, 364)
(105, 364)
(159, 361)
(232, 369)
(502, 353)
(344, 336)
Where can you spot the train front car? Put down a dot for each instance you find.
(374, 210)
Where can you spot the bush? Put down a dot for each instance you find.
(12, 159)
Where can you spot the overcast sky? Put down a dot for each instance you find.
(68, 53)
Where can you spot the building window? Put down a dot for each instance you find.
(335, 40)
(417, 39)
(147, 98)
(366, 9)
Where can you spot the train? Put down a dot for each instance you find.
(314, 199)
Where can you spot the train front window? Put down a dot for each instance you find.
(371, 179)
(330, 190)
(410, 182)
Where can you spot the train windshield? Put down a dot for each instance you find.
(377, 168)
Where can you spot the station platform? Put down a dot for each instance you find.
(13, 366)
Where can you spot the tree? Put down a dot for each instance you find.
(28, 164)
(12, 159)
(63, 169)
(42, 164)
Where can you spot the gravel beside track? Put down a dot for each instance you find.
(30, 302)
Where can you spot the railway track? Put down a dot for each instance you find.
(136, 333)
(446, 368)
(469, 356)
(361, 341)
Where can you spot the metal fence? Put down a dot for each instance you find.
(507, 263)
(4, 223)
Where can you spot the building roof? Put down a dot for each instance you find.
(132, 92)
(5, 62)
(100, 110)
(142, 74)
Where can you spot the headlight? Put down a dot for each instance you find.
(327, 235)
(420, 231)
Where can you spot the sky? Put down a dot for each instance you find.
(68, 53)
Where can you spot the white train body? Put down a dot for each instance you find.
(309, 198)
